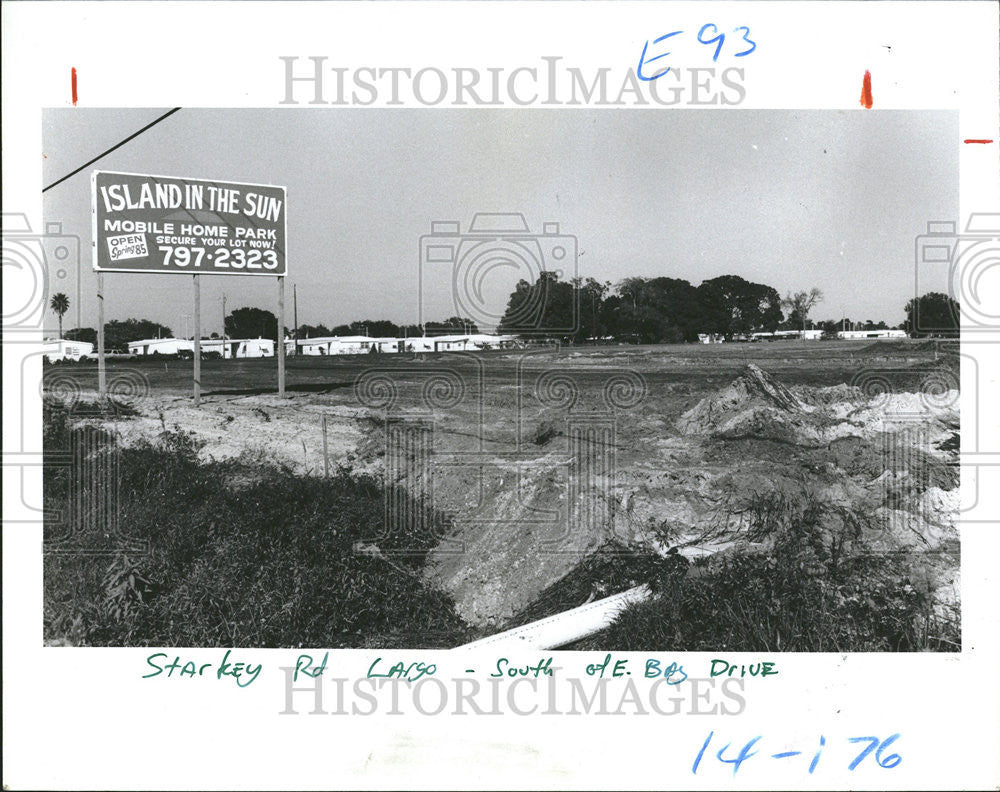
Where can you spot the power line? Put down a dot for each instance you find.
(116, 146)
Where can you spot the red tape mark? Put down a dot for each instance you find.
(866, 91)
(73, 81)
(977, 140)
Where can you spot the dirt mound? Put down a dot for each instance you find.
(754, 389)
(755, 405)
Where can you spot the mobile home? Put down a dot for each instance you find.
(62, 349)
(160, 346)
(853, 335)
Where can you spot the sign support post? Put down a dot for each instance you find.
(197, 341)
(102, 377)
(281, 337)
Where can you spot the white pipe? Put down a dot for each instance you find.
(566, 627)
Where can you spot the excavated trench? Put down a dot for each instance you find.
(724, 473)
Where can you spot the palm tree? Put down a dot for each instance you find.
(59, 304)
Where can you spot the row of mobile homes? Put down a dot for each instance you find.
(788, 335)
(360, 345)
(854, 335)
(486, 341)
(230, 348)
(333, 345)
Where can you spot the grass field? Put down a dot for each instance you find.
(526, 467)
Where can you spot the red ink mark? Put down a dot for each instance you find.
(73, 80)
(866, 91)
(977, 140)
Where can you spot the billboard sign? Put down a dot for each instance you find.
(146, 223)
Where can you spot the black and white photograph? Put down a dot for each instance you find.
(563, 380)
(477, 395)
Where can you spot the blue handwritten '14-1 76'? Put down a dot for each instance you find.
(718, 39)
(876, 744)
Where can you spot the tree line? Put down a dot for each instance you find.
(672, 310)
(638, 310)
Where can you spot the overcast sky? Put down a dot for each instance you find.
(793, 199)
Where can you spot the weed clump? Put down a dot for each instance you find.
(807, 592)
(242, 554)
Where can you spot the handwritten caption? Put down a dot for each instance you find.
(245, 673)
